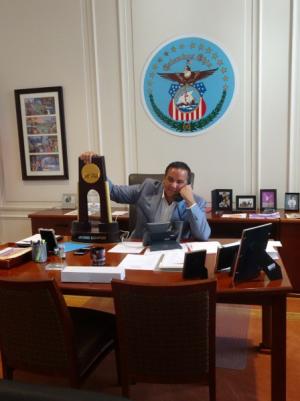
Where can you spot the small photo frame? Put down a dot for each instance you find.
(245, 202)
(268, 199)
(221, 200)
(69, 201)
(291, 201)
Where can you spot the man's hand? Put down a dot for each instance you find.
(87, 156)
(187, 193)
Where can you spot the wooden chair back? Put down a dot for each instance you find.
(166, 332)
(37, 332)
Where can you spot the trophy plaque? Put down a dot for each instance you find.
(93, 176)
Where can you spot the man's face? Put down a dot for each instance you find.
(174, 180)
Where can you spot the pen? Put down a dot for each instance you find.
(159, 261)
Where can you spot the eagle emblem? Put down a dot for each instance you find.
(187, 95)
(187, 85)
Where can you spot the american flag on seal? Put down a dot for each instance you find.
(178, 115)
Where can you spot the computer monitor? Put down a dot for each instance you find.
(163, 236)
(252, 256)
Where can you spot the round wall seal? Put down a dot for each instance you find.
(187, 85)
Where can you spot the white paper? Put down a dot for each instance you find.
(127, 247)
(272, 243)
(141, 262)
(75, 212)
(232, 243)
(272, 249)
(72, 213)
(119, 212)
(209, 246)
(115, 213)
(235, 215)
(34, 238)
(172, 260)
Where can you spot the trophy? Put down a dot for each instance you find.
(93, 176)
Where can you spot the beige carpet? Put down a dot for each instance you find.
(231, 329)
(232, 336)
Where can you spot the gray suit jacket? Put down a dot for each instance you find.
(146, 198)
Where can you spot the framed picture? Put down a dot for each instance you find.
(42, 138)
(245, 202)
(221, 199)
(69, 201)
(291, 201)
(268, 199)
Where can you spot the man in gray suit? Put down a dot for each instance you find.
(170, 200)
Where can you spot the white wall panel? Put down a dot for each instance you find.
(109, 78)
(210, 154)
(294, 112)
(42, 45)
(274, 95)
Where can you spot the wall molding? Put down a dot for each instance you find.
(127, 85)
(294, 100)
(255, 95)
(22, 209)
(91, 77)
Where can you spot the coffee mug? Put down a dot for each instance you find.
(97, 255)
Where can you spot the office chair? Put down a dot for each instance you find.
(166, 332)
(40, 334)
(137, 178)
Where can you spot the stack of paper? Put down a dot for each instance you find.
(141, 262)
(235, 215)
(172, 261)
(275, 215)
(209, 246)
(33, 238)
(128, 247)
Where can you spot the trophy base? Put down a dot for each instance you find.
(95, 232)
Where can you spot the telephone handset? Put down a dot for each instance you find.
(178, 198)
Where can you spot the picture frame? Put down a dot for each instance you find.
(245, 202)
(291, 202)
(69, 201)
(268, 199)
(42, 136)
(221, 200)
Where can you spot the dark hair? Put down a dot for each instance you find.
(182, 166)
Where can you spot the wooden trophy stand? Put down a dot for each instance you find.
(93, 176)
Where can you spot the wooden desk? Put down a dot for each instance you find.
(270, 295)
(230, 227)
(61, 222)
(285, 230)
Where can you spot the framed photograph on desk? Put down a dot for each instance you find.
(68, 201)
(291, 201)
(268, 199)
(221, 200)
(41, 128)
(245, 202)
